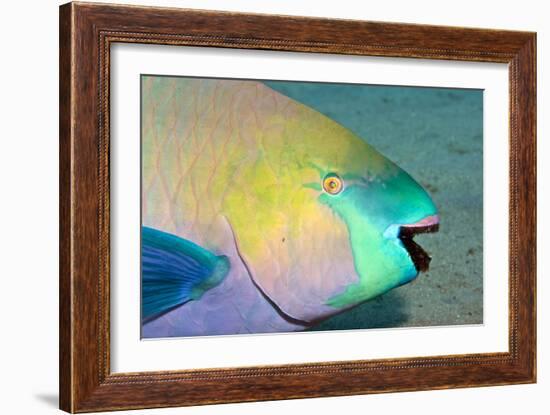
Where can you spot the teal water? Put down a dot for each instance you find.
(436, 135)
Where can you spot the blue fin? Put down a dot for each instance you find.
(174, 271)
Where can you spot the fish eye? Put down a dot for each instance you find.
(333, 184)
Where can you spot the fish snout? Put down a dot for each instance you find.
(411, 211)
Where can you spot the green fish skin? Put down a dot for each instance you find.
(241, 171)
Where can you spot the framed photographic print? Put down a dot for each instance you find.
(260, 207)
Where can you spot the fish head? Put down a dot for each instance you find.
(381, 214)
(323, 221)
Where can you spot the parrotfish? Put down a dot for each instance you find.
(260, 214)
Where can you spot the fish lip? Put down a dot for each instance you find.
(420, 258)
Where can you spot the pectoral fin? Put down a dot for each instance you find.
(174, 271)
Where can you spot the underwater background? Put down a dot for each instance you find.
(436, 135)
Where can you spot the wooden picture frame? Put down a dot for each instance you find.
(86, 33)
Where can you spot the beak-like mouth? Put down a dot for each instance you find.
(420, 258)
